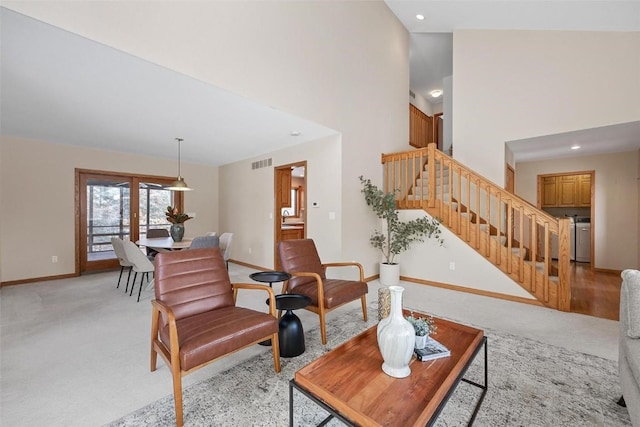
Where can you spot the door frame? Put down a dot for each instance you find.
(80, 211)
(277, 201)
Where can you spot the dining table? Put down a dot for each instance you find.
(166, 243)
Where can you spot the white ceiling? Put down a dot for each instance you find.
(60, 87)
(431, 59)
(432, 38)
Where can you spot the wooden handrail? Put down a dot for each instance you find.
(511, 232)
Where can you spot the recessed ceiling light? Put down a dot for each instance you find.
(435, 93)
(420, 17)
(295, 133)
(575, 147)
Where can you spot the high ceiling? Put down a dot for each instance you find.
(432, 37)
(114, 101)
(431, 43)
(61, 87)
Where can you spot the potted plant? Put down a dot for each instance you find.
(177, 220)
(423, 326)
(398, 235)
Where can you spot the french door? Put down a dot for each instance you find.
(117, 205)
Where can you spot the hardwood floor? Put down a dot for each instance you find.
(595, 293)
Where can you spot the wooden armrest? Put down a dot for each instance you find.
(318, 282)
(346, 264)
(159, 306)
(272, 299)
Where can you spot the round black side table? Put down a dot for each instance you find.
(270, 277)
(291, 334)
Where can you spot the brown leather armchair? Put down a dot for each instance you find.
(299, 258)
(195, 320)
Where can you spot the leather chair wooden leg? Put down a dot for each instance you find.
(177, 394)
(323, 326)
(364, 307)
(155, 319)
(275, 347)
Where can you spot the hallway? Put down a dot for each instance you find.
(595, 293)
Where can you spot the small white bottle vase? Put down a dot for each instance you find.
(396, 338)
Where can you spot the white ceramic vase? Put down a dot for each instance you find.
(396, 338)
(389, 274)
(421, 341)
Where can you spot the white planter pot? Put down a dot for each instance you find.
(389, 274)
(421, 341)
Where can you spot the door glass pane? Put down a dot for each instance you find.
(154, 199)
(107, 216)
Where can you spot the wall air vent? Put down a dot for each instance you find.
(261, 164)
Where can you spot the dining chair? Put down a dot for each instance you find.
(225, 247)
(118, 248)
(205, 242)
(299, 257)
(154, 233)
(195, 319)
(141, 264)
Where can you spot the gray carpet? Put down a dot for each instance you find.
(530, 384)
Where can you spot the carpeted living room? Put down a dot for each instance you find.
(75, 352)
(96, 94)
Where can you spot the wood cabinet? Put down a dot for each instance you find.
(293, 233)
(584, 190)
(549, 186)
(565, 190)
(283, 180)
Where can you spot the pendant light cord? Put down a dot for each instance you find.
(179, 160)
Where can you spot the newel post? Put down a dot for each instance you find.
(564, 262)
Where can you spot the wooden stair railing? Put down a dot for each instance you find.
(510, 232)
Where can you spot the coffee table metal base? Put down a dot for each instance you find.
(334, 414)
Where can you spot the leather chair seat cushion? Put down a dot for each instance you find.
(212, 334)
(336, 291)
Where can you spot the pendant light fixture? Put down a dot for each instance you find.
(179, 184)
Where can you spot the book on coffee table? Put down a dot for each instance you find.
(433, 350)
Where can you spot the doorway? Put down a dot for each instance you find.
(117, 205)
(290, 210)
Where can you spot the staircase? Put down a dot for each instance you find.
(507, 230)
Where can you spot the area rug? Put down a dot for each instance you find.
(530, 384)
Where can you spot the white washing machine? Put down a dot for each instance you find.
(583, 241)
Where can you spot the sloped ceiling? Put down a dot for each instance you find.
(61, 87)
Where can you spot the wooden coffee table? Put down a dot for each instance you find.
(349, 382)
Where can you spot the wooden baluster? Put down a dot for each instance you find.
(564, 255)
(547, 267)
(509, 226)
(431, 161)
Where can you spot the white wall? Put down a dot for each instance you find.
(37, 183)
(343, 64)
(447, 112)
(511, 85)
(248, 210)
(422, 104)
(615, 223)
(430, 260)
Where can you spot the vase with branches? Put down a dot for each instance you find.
(397, 236)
